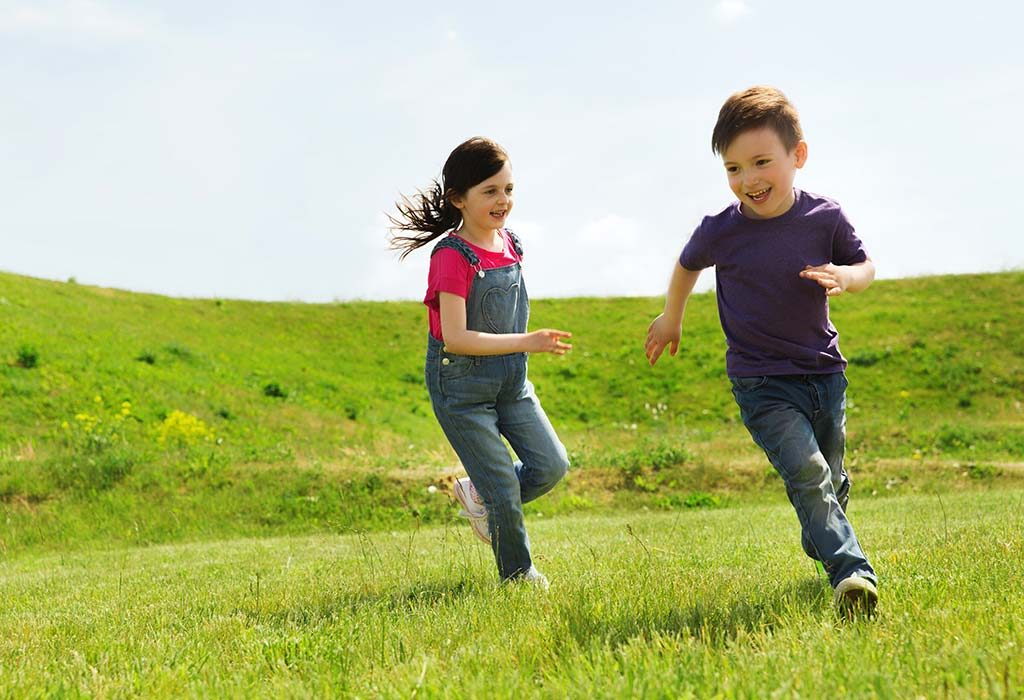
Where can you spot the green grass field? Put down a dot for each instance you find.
(225, 498)
(697, 604)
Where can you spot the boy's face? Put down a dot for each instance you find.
(761, 172)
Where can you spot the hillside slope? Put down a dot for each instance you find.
(246, 416)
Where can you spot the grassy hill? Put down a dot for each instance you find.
(135, 418)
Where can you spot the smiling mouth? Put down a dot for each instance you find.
(760, 195)
(499, 214)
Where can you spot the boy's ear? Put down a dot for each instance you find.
(801, 153)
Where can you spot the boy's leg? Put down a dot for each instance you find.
(778, 412)
(830, 431)
(544, 460)
(829, 426)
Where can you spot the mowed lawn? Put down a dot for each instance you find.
(693, 603)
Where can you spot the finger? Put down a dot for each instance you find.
(655, 353)
(674, 349)
(560, 334)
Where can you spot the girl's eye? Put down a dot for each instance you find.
(763, 162)
(731, 169)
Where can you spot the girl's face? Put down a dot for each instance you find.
(486, 206)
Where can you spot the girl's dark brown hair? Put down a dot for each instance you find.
(754, 108)
(431, 213)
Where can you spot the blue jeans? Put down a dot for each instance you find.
(800, 423)
(477, 401)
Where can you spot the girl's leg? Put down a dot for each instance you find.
(463, 401)
(478, 444)
(524, 424)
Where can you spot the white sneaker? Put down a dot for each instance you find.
(480, 529)
(855, 596)
(472, 504)
(472, 507)
(536, 579)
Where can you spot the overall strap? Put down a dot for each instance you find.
(460, 245)
(515, 243)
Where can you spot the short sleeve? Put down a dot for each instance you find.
(847, 249)
(696, 253)
(449, 272)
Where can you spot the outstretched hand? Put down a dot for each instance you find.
(548, 340)
(661, 333)
(833, 278)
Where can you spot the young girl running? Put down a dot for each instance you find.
(477, 348)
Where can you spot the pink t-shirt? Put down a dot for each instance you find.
(451, 272)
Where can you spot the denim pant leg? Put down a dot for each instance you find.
(469, 420)
(830, 430)
(829, 425)
(543, 459)
(779, 413)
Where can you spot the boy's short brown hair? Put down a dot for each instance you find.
(754, 108)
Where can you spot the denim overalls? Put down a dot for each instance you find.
(480, 399)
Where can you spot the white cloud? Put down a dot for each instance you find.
(612, 232)
(75, 19)
(728, 11)
(610, 255)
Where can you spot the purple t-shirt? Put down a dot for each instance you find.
(775, 321)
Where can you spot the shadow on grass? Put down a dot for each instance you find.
(714, 621)
(407, 599)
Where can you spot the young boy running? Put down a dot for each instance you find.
(779, 254)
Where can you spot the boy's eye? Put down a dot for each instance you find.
(764, 161)
(731, 169)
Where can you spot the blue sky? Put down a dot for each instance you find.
(251, 149)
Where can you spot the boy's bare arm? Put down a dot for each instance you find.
(666, 329)
(837, 279)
